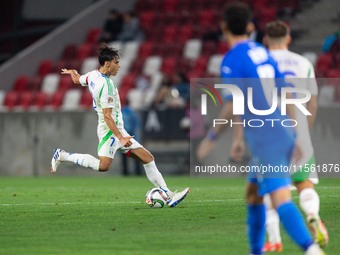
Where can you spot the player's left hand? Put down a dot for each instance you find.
(237, 150)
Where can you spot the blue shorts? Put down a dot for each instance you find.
(271, 167)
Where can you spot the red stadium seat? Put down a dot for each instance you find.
(169, 65)
(65, 83)
(201, 64)
(170, 33)
(40, 100)
(26, 99)
(93, 35)
(207, 18)
(34, 83)
(323, 64)
(137, 66)
(56, 99)
(86, 100)
(11, 99)
(127, 83)
(21, 83)
(145, 49)
(209, 48)
(69, 52)
(147, 19)
(84, 51)
(222, 47)
(333, 73)
(45, 67)
(170, 5)
(185, 32)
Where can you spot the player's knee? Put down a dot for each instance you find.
(104, 166)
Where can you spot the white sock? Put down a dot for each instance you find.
(85, 160)
(309, 202)
(155, 177)
(272, 222)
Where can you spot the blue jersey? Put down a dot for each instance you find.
(249, 59)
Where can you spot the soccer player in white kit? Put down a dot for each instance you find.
(295, 67)
(111, 133)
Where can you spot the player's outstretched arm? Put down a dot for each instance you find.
(74, 74)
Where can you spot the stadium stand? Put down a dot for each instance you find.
(174, 42)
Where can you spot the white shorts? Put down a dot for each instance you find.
(109, 144)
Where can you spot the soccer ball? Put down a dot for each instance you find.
(156, 198)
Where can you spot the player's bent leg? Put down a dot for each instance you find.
(272, 227)
(310, 204)
(291, 217)
(104, 164)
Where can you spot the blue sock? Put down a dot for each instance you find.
(294, 224)
(256, 215)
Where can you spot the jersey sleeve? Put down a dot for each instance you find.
(106, 97)
(84, 80)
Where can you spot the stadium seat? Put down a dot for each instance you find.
(34, 83)
(185, 33)
(69, 52)
(71, 99)
(222, 47)
(169, 65)
(45, 67)
(145, 49)
(147, 19)
(207, 18)
(21, 83)
(209, 48)
(311, 56)
(192, 49)
(152, 64)
(131, 50)
(56, 100)
(93, 35)
(214, 65)
(170, 5)
(89, 64)
(84, 50)
(323, 64)
(50, 83)
(86, 100)
(40, 100)
(26, 99)
(170, 33)
(65, 83)
(137, 66)
(127, 83)
(333, 73)
(200, 64)
(11, 99)
(117, 45)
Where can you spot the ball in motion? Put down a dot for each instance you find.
(156, 198)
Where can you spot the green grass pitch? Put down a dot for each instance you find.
(108, 215)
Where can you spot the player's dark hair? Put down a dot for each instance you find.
(237, 15)
(107, 53)
(277, 29)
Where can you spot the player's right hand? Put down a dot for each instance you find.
(237, 150)
(126, 141)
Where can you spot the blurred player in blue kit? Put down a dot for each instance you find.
(270, 145)
(111, 133)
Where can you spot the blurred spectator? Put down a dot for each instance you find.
(131, 124)
(173, 95)
(112, 27)
(131, 30)
(332, 42)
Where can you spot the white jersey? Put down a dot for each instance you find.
(295, 67)
(105, 95)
